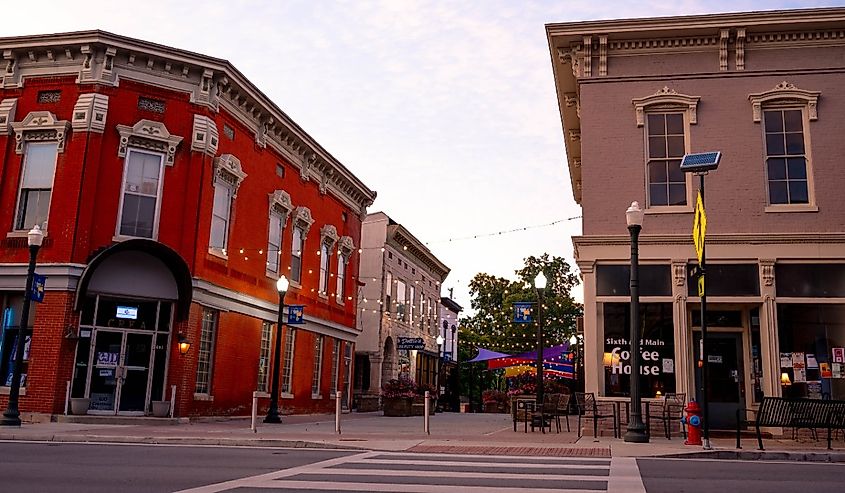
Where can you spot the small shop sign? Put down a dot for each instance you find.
(410, 343)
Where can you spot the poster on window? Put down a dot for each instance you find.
(814, 390)
(839, 355)
(812, 363)
(798, 361)
(786, 360)
(825, 370)
(837, 370)
(800, 375)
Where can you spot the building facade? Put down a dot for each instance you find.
(400, 307)
(764, 88)
(173, 194)
(450, 386)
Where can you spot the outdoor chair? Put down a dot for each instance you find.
(563, 409)
(589, 408)
(671, 410)
(546, 413)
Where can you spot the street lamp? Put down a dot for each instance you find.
(573, 343)
(440, 342)
(636, 429)
(540, 285)
(273, 413)
(12, 417)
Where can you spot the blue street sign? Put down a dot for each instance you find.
(37, 293)
(296, 314)
(522, 312)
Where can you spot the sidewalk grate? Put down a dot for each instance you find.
(531, 451)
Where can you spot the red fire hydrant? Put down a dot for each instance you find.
(693, 422)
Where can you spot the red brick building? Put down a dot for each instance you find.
(173, 193)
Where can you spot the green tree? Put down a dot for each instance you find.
(491, 326)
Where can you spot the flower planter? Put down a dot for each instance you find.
(79, 405)
(161, 408)
(397, 406)
(495, 407)
(418, 406)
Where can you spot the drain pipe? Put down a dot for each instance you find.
(67, 396)
(172, 400)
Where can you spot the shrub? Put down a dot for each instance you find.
(496, 396)
(399, 387)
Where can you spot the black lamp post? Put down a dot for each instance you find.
(273, 412)
(440, 350)
(540, 285)
(636, 428)
(12, 417)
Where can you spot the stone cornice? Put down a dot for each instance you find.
(403, 240)
(714, 239)
(99, 57)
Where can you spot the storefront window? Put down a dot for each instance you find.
(812, 350)
(756, 358)
(615, 280)
(727, 280)
(657, 349)
(9, 324)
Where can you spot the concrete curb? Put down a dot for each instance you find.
(797, 456)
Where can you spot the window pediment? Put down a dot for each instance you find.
(280, 203)
(302, 219)
(40, 126)
(150, 135)
(666, 99)
(785, 93)
(228, 169)
(345, 247)
(328, 236)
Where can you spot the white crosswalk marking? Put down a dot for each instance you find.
(442, 473)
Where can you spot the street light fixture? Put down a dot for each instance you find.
(540, 285)
(636, 429)
(273, 413)
(439, 342)
(12, 417)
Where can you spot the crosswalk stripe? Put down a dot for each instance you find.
(471, 475)
(406, 488)
(520, 465)
(625, 476)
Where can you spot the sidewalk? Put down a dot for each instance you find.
(487, 434)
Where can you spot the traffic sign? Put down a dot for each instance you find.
(699, 228)
(700, 286)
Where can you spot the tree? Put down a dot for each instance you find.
(492, 327)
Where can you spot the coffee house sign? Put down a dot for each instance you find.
(656, 356)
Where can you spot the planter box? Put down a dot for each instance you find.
(397, 406)
(368, 403)
(79, 405)
(495, 407)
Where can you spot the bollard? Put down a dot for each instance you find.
(425, 412)
(172, 400)
(67, 396)
(252, 425)
(337, 411)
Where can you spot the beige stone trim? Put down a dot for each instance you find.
(40, 126)
(205, 137)
(666, 98)
(150, 135)
(90, 112)
(7, 115)
(785, 92)
(228, 169)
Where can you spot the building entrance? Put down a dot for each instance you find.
(726, 378)
(121, 359)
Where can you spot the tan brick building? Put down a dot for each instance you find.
(766, 89)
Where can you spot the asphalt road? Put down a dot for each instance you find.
(94, 468)
(688, 476)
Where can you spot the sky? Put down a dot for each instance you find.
(446, 109)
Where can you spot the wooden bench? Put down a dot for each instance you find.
(796, 414)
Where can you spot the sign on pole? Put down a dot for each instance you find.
(37, 293)
(296, 314)
(522, 312)
(699, 227)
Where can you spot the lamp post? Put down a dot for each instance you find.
(12, 417)
(573, 342)
(540, 285)
(273, 412)
(440, 342)
(636, 429)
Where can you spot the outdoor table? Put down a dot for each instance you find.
(617, 402)
(526, 405)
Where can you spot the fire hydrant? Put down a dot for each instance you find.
(693, 422)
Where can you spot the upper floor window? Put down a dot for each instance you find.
(400, 300)
(786, 158)
(411, 303)
(666, 147)
(324, 268)
(36, 188)
(388, 291)
(296, 254)
(786, 112)
(280, 207)
(141, 194)
(302, 222)
(341, 276)
(228, 175)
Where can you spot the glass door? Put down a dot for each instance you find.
(105, 371)
(135, 373)
(726, 377)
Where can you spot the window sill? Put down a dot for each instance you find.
(286, 395)
(7, 390)
(204, 397)
(339, 301)
(294, 284)
(791, 208)
(122, 238)
(272, 275)
(323, 296)
(261, 395)
(21, 234)
(316, 397)
(672, 209)
(217, 252)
